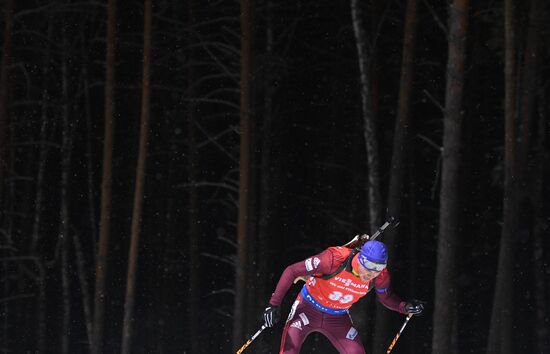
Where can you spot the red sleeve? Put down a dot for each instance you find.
(315, 265)
(384, 294)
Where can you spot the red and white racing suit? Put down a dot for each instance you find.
(322, 305)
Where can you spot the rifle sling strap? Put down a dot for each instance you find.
(346, 264)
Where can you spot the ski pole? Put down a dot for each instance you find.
(399, 333)
(251, 339)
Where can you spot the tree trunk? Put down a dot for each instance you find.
(65, 282)
(541, 325)
(38, 202)
(239, 314)
(259, 188)
(527, 78)
(369, 126)
(4, 125)
(414, 241)
(399, 156)
(251, 298)
(84, 286)
(445, 287)
(526, 168)
(4, 335)
(106, 184)
(41, 309)
(500, 332)
(369, 133)
(64, 199)
(89, 159)
(79, 253)
(172, 222)
(140, 181)
(401, 133)
(193, 300)
(528, 88)
(266, 173)
(4, 96)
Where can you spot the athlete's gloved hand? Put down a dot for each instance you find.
(272, 315)
(414, 307)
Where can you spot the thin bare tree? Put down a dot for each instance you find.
(239, 314)
(500, 338)
(374, 199)
(79, 246)
(4, 92)
(4, 126)
(266, 176)
(444, 317)
(399, 156)
(106, 184)
(401, 132)
(89, 155)
(127, 331)
(64, 222)
(530, 161)
(39, 198)
(529, 87)
(542, 328)
(193, 257)
(369, 126)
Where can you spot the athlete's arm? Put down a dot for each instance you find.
(316, 265)
(384, 294)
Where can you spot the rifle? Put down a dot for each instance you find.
(359, 240)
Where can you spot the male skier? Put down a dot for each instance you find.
(337, 278)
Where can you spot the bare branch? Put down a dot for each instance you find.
(219, 146)
(216, 137)
(221, 291)
(430, 142)
(209, 184)
(16, 297)
(436, 18)
(436, 102)
(225, 260)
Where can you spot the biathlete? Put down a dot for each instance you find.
(336, 279)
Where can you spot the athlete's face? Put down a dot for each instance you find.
(365, 274)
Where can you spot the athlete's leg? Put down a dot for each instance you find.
(341, 333)
(302, 320)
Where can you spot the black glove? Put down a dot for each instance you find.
(272, 315)
(414, 307)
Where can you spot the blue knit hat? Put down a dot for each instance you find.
(373, 256)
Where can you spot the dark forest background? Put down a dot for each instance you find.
(162, 162)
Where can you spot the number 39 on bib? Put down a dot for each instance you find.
(340, 297)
